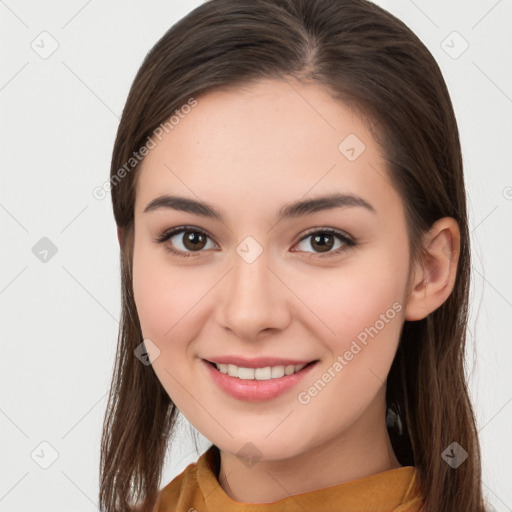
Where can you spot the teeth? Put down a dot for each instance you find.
(267, 373)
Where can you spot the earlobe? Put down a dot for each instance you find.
(434, 276)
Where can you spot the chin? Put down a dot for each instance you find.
(260, 449)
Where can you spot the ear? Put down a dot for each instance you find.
(434, 276)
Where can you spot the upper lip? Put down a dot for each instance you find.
(258, 362)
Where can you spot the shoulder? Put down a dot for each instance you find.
(179, 489)
(185, 490)
(413, 500)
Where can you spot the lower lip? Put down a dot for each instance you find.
(256, 390)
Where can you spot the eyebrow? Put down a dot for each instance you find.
(292, 210)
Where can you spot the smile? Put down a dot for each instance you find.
(256, 384)
(266, 373)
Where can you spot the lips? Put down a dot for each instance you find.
(250, 386)
(259, 362)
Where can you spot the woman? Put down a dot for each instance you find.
(288, 188)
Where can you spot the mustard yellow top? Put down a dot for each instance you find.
(197, 489)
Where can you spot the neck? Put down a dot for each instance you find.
(361, 450)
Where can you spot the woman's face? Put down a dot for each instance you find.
(269, 274)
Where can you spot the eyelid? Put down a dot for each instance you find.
(172, 231)
(332, 231)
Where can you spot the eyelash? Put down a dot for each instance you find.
(348, 243)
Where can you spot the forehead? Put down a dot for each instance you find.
(269, 141)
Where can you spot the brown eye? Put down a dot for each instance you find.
(325, 243)
(185, 241)
(322, 242)
(193, 240)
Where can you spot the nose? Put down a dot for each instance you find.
(253, 299)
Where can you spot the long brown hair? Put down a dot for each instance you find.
(373, 62)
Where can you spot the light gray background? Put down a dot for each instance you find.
(60, 317)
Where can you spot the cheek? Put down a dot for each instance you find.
(355, 297)
(367, 327)
(361, 303)
(162, 295)
(171, 301)
(151, 293)
(166, 300)
(366, 316)
(368, 303)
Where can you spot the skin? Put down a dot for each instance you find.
(248, 152)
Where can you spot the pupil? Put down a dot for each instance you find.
(324, 247)
(192, 239)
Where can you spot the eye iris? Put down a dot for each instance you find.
(320, 240)
(192, 239)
